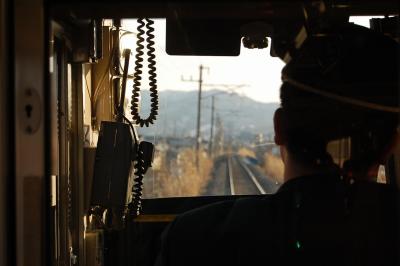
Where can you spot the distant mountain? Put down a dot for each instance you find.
(239, 114)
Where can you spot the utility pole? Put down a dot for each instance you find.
(198, 137)
(198, 140)
(212, 126)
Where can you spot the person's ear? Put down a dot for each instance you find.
(279, 127)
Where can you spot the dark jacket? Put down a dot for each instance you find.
(311, 220)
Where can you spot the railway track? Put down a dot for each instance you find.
(241, 179)
(233, 176)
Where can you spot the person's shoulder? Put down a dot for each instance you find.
(218, 216)
(216, 228)
(208, 225)
(208, 214)
(194, 230)
(213, 207)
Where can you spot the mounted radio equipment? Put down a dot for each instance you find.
(119, 145)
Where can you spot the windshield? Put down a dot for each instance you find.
(214, 131)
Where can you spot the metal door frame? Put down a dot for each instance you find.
(31, 143)
(7, 202)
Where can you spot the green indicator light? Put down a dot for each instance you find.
(298, 246)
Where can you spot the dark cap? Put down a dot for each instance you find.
(349, 61)
(343, 82)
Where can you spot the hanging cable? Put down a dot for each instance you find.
(138, 72)
(136, 203)
(144, 159)
(144, 150)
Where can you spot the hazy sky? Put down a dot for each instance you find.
(254, 68)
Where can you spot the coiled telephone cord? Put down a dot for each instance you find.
(138, 72)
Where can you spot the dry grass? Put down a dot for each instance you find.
(184, 179)
(273, 167)
(246, 152)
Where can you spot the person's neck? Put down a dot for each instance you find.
(294, 169)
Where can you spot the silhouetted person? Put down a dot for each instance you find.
(341, 85)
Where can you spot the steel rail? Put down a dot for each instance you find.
(230, 175)
(251, 175)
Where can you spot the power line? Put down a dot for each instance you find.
(230, 87)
